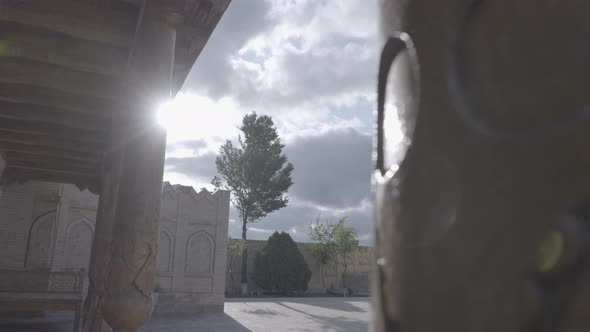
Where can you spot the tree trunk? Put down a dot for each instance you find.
(231, 276)
(344, 272)
(244, 271)
(323, 279)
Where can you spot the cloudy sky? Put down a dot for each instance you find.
(309, 64)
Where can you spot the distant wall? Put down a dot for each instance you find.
(357, 278)
(48, 225)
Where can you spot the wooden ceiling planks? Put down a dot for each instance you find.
(62, 79)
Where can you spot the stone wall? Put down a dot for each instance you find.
(357, 277)
(26, 209)
(47, 225)
(75, 229)
(191, 258)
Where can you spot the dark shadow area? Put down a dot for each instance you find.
(342, 305)
(52, 321)
(63, 322)
(210, 322)
(262, 312)
(339, 323)
(36, 327)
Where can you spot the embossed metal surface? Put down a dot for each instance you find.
(481, 166)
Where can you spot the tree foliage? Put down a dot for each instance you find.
(346, 240)
(235, 248)
(280, 266)
(323, 246)
(256, 172)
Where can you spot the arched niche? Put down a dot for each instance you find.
(164, 257)
(79, 236)
(40, 234)
(200, 249)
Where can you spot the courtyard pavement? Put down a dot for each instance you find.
(241, 315)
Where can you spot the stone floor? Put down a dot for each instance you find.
(252, 315)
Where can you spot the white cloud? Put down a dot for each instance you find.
(307, 59)
(260, 230)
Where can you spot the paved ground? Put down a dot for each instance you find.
(253, 315)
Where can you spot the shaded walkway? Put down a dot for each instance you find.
(241, 315)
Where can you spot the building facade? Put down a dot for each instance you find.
(51, 226)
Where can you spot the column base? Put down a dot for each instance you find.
(126, 310)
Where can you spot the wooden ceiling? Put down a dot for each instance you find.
(61, 73)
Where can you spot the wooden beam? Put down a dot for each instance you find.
(28, 127)
(52, 168)
(24, 174)
(75, 19)
(18, 41)
(50, 152)
(46, 96)
(33, 159)
(19, 71)
(50, 141)
(200, 19)
(44, 114)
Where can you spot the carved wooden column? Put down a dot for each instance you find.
(126, 240)
(482, 171)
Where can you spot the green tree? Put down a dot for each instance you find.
(257, 173)
(346, 241)
(280, 266)
(323, 247)
(235, 248)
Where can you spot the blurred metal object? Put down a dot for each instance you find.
(482, 156)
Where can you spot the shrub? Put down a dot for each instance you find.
(280, 266)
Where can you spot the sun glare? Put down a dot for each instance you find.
(164, 114)
(191, 116)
